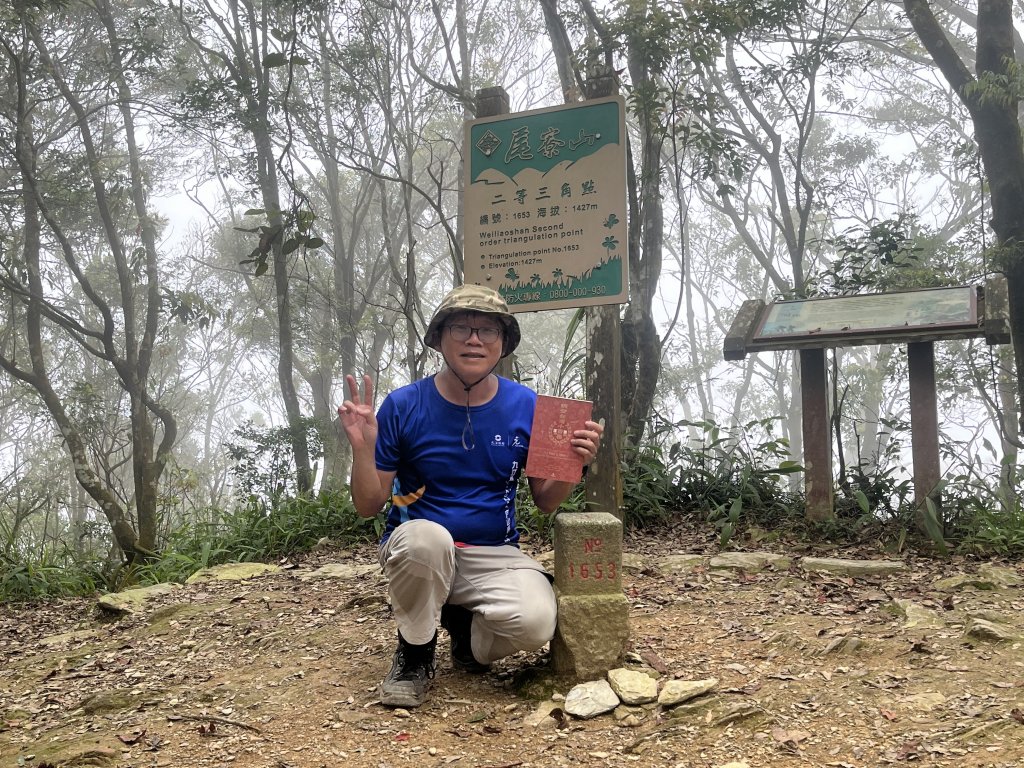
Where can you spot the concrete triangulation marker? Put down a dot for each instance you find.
(593, 613)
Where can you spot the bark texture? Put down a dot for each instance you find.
(994, 113)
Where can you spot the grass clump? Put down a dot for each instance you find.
(256, 530)
(735, 482)
(260, 531)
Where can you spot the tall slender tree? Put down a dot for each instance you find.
(246, 51)
(992, 97)
(652, 38)
(45, 73)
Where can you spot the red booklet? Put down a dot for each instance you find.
(551, 455)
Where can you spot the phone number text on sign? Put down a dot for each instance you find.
(554, 293)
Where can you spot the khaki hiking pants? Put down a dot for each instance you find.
(508, 592)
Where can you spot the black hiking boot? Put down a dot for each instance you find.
(458, 621)
(412, 671)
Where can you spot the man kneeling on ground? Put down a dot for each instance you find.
(447, 451)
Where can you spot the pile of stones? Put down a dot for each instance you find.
(630, 694)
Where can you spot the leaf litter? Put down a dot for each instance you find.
(280, 670)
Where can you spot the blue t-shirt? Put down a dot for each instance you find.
(471, 493)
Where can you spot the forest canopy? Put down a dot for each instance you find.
(212, 212)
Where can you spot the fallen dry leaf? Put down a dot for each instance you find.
(789, 739)
(909, 750)
(561, 720)
(655, 661)
(303, 660)
(207, 729)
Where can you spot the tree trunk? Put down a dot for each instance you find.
(1009, 474)
(641, 345)
(123, 342)
(254, 84)
(994, 113)
(642, 355)
(148, 464)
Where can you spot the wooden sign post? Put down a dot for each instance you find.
(545, 216)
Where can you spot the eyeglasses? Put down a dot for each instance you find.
(488, 334)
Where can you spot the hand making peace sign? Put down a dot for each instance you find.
(357, 415)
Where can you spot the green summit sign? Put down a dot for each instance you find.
(545, 205)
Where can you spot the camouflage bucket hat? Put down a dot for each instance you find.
(474, 298)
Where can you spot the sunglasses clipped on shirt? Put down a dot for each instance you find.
(461, 332)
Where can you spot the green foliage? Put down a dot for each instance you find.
(979, 514)
(86, 405)
(255, 531)
(650, 490)
(534, 525)
(874, 501)
(290, 229)
(734, 478)
(264, 464)
(667, 45)
(1004, 257)
(187, 307)
(28, 579)
(877, 495)
(30, 571)
(660, 34)
(885, 257)
(278, 59)
(984, 514)
(990, 531)
(719, 476)
(731, 480)
(1003, 89)
(258, 531)
(55, 572)
(895, 255)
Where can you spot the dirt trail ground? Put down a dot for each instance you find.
(280, 671)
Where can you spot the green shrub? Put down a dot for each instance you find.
(296, 525)
(261, 531)
(984, 516)
(650, 486)
(56, 572)
(720, 477)
(534, 525)
(734, 478)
